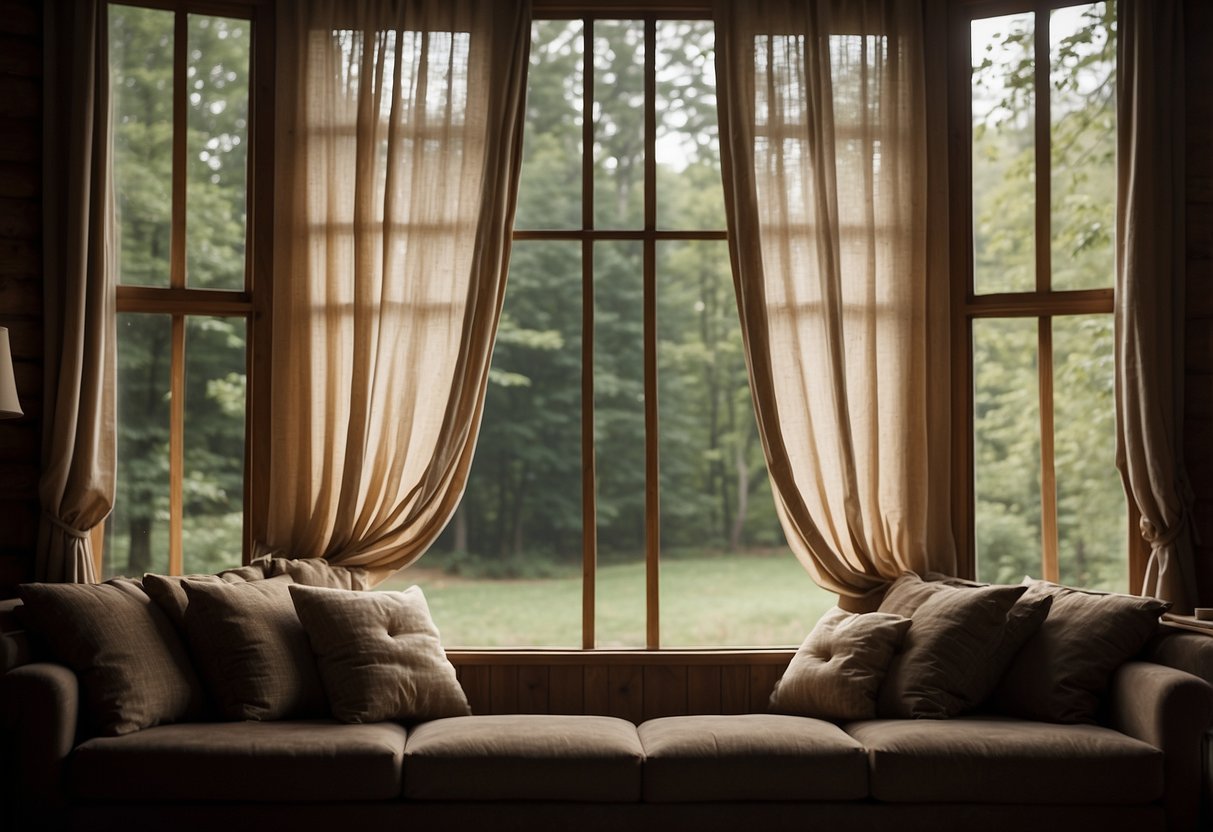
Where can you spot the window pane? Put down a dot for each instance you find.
(689, 192)
(618, 123)
(213, 518)
(141, 82)
(136, 534)
(619, 442)
(549, 186)
(507, 570)
(1091, 508)
(727, 575)
(1006, 449)
(1004, 166)
(217, 150)
(1082, 70)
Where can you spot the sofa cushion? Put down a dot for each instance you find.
(524, 757)
(249, 761)
(168, 591)
(837, 672)
(1000, 760)
(379, 654)
(251, 650)
(134, 671)
(750, 757)
(315, 572)
(1063, 670)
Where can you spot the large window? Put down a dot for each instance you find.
(1034, 316)
(619, 496)
(180, 88)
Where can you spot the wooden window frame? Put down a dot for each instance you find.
(1042, 302)
(252, 303)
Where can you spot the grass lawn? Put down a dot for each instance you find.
(738, 600)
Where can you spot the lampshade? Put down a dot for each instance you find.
(10, 408)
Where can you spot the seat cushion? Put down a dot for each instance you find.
(1000, 760)
(524, 757)
(311, 760)
(750, 757)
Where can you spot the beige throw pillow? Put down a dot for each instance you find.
(1062, 671)
(134, 671)
(251, 650)
(168, 591)
(316, 572)
(379, 654)
(945, 664)
(838, 669)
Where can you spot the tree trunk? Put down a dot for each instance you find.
(141, 545)
(743, 497)
(461, 529)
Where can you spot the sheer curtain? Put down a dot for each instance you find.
(79, 430)
(398, 144)
(1150, 289)
(834, 166)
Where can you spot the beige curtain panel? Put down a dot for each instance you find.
(1150, 289)
(79, 252)
(398, 145)
(833, 169)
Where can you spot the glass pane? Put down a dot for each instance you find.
(1091, 509)
(689, 191)
(727, 575)
(141, 83)
(619, 442)
(1006, 449)
(618, 124)
(1082, 75)
(549, 187)
(213, 519)
(1004, 165)
(217, 150)
(507, 570)
(136, 534)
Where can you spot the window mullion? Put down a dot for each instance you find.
(652, 496)
(589, 478)
(1048, 472)
(176, 445)
(180, 134)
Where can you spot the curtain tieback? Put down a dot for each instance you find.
(64, 527)
(1151, 535)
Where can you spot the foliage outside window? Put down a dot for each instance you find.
(1037, 312)
(179, 90)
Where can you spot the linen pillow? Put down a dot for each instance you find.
(168, 591)
(1062, 671)
(133, 669)
(251, 650)
(317, 572)
(837, 671)
(380, 655)
(944, 666)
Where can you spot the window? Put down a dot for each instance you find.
(180, 86)
(1034, 315)
(619, 496)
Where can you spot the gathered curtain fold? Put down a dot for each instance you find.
(76, 489)
(398, 145)
(1150, 290)
(834, 165)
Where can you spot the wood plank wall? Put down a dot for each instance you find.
(21, 279)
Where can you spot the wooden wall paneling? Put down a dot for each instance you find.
(476, 684)
(533, 689)
(626, 692)
(596, 689)
(503, 689)
(566, 686)
(762, 681)
(703, 689)
(734, 689)
(665, 691)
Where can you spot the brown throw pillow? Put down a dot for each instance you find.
(251, 650)
(380, 655)
(317, 572)
(168, 591)
(944, 666)
(134, 671)
(1062, 671)
(837, 672)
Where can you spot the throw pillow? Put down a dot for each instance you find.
(379, 654)
(251, 650)
(944, 666)
(1062, 671)
(168, 591)
(837, 672)
(134, 671)
(318, 572)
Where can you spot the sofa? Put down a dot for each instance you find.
(1139, 768)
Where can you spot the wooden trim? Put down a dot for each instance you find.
(1035, 304)
(648, 658)
(216, 8)
(596, 234)
(1050, 564)
(1043, 141)
(180, 137)
(630, 9)
(176, 444)
(652, 444)
(589, 472)
(183, 301)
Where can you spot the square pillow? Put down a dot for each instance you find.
(837, 672)
(134, 671)
(946, 661)
(168, 591)
(379, 654)
(251, 650)
(316, 572)
(1063, 670)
